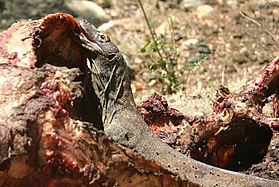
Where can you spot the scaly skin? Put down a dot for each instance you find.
(111, 81)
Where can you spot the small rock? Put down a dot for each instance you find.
(152, 83)
(137, 86)
(163, 28)
(203, 47)
(240, 59)
(166, 27)
(188, 4)
(232, 3)
(190, 42)
(199, 115)
(148, 76)
(104, 3)
(204, 10)
(88, 10)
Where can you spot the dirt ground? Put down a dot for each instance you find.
(239, 47)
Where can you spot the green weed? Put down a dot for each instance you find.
(163, 54)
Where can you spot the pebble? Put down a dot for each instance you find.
(104, 3)
(204, 10)
(203, 47)
(166, 27)
(190, 42)
(88, 10)
(189, 4)
(137, 86)
(199, 114)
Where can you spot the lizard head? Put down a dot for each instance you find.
(110, 75)
(96, 41)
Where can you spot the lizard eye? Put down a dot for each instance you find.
(111, 56)
(104, 37)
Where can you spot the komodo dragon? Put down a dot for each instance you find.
(122, 121)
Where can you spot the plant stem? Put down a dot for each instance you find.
(152, 32)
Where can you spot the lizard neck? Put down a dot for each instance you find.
(121, 120)
(115, 92)
(117, 101)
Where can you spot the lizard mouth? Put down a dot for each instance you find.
(88, 44)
